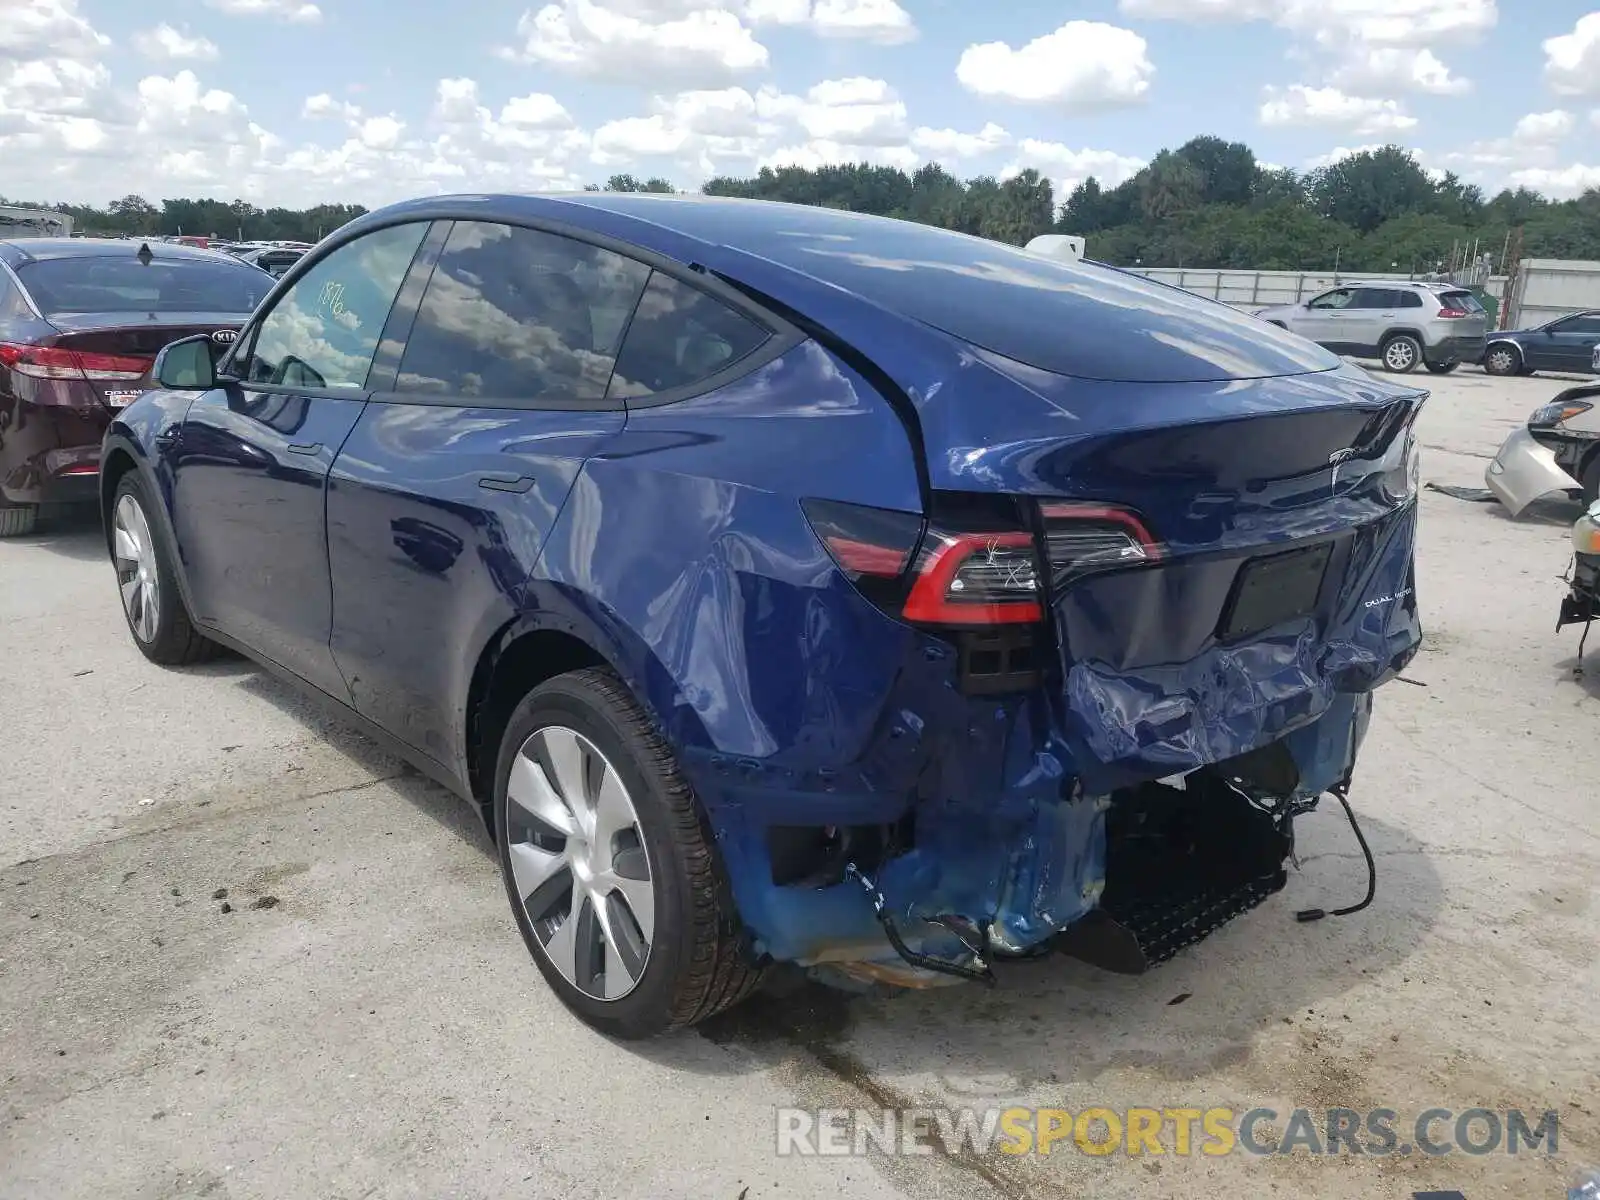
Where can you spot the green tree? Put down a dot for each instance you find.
(1365, 190)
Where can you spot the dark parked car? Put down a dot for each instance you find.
(81, 320)
(784, 584)
(1565, 344)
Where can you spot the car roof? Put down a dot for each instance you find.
(17, 251)
(985, 294)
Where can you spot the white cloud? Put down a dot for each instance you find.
(323, 105)
(1572, 60)
(1302, 105)
(1083, 65)
(1392, 68)
(297, 11)
(166, 43)
(590, 39)
(1067, 167)
(875, 20)
(1562, 183)
(47, 29)
(1550, 126)
(1365, 22)
(854, 112)
(952, 143)
(637, 137)
(537, 110)
(1339, 152)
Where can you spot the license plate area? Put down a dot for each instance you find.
(1273, 589)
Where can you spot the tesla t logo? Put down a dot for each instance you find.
(1337, 459)
(225, 337)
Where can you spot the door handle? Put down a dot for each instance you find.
(506, 483)
(305, 447)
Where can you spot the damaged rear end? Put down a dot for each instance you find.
(1153, 599)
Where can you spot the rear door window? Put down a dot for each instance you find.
(680, 336)
(520, 315)
(323, 332)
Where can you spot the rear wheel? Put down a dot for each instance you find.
(1401, 354)
(148, 582)
(1442, 368)
(1502, 360)
(18, 520)
(612, 875)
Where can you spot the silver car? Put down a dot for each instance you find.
(1557, 452)
(1404, 325)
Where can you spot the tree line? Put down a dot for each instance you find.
(1208, 203)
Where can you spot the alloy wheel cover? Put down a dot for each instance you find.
(579, 863)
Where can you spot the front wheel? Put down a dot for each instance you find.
(612, 875)
(148, 582)
(1502, 360)
(1401, 354)
(1442, 368)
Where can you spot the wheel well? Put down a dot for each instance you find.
(1390, 334)
(118, 464)
(506, 672)
(1507, 343)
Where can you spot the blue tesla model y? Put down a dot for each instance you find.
(790, 585)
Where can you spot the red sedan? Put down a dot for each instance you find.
(81, 320)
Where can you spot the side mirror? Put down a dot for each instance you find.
(187, 365)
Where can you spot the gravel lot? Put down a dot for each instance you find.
(366, 1023)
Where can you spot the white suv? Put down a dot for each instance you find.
(1404, 325)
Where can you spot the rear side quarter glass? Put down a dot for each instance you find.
(680, 336)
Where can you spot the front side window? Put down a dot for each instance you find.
(679, 336)
(518, 314)
(323, 332)
(1337, 299)
(1587, 326)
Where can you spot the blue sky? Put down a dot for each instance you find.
(293, 101)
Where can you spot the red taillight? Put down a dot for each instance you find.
(92, 468)
(1082, 538)
(976, 579)
(970, 577)
(52, 362)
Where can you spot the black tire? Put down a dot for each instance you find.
(174, 642)
(698, 962)
(1400, 354)
(18, 520)
(1502, 360)
(1590, 479)
(1442, 368)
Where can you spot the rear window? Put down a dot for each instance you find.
(1461, 301)
(100, 283)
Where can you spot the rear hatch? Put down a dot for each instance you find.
(1464, 313)
(116, 350)
(1226, 558)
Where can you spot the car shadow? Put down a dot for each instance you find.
(1547, 510)
(72, 532)
(1049, 1020)
(1055, 1019)
(428, 797)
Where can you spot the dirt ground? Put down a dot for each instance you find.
(364, 1022)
